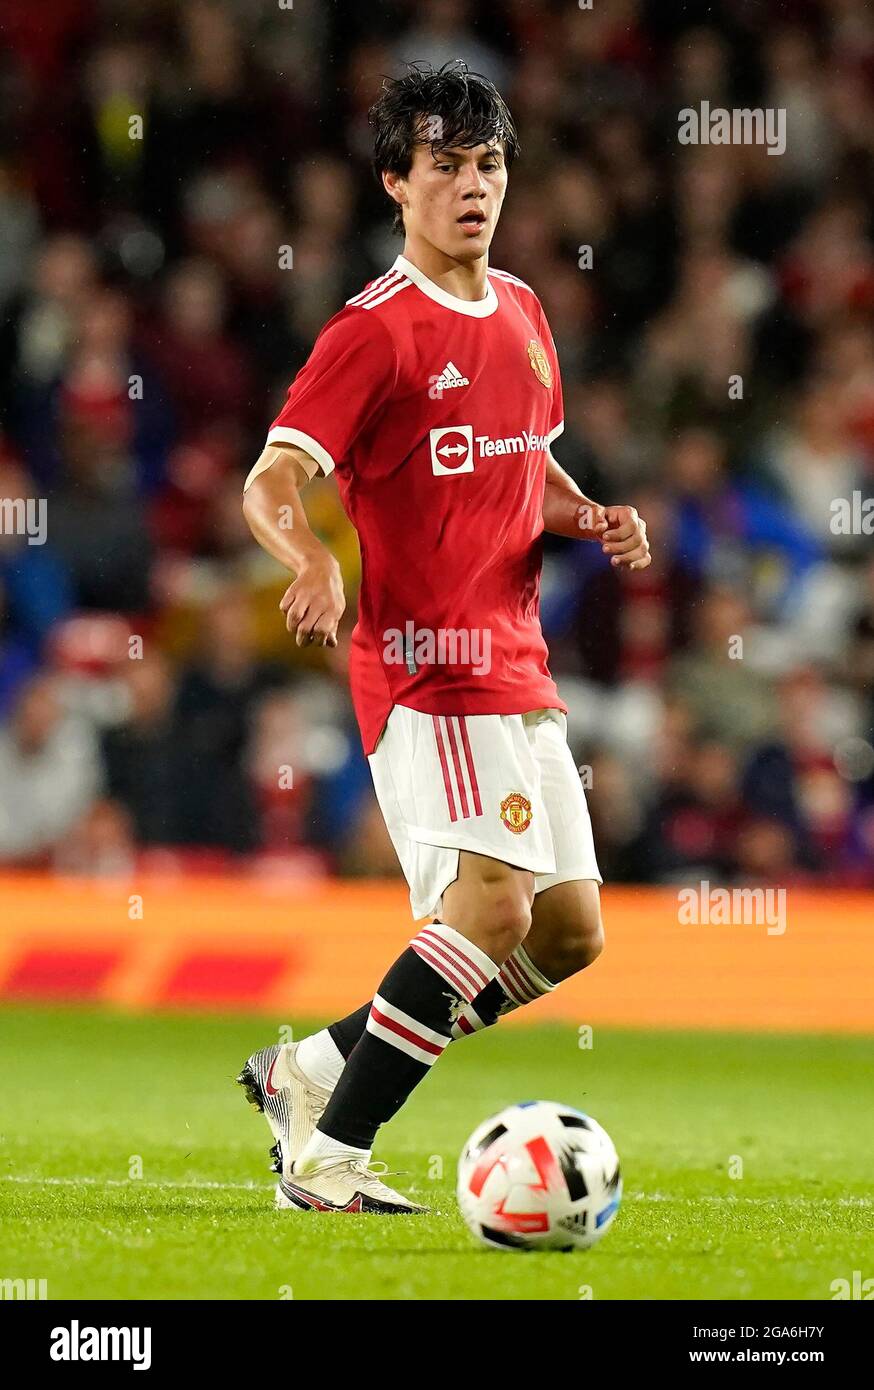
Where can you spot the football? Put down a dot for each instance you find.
(539, 1176)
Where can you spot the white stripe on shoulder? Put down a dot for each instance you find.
(374, 287)
(381, 298)
(513, 279)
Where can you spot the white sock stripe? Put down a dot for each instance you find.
(511, 992)
(473, 1021)
(530, 971)
(445, 971)
(511, 976)
(388, 1035)
(466, 949)
(531, 986)
(454, 959)
(448, 967)
(407, 1021)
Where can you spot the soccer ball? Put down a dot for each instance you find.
(539, 1176)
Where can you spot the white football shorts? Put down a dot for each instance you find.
(502, 785)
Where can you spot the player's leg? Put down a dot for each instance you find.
(566, 936)
(566, 932)
(291, 1083)
(410, 1025)
(442, 785)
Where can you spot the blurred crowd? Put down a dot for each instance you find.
(162, 279)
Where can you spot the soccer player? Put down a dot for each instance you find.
(434, 396)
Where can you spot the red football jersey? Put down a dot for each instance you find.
(436, 414)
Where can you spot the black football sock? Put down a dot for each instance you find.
(346, 1031)
(408, 1026)
(519, 982)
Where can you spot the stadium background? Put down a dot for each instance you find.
(142, 822)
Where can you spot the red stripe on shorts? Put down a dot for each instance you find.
(453, 744)
(465, 743)
(441, 753)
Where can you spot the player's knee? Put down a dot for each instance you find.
(491, 904)
(577, 946)
(513, 923)
(589, 942)
(506, 921)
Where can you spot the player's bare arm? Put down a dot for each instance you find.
(568, 512)
(314, 602)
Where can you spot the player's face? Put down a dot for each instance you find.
(453, 200)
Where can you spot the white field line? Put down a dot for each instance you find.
(197, 1184)
(731, 1198)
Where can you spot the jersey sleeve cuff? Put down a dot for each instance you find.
(554, 433)
(283, 434)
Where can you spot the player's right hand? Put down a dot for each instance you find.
(314, 603)
(591, 520)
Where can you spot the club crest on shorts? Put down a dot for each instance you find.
(539, 363)
(516, 812)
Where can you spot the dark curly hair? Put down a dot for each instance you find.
(446, 108)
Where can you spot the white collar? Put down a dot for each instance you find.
(475, 308)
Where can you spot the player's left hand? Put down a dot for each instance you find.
(625, 539)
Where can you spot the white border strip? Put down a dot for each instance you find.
(475, 308)
(202, 1185)
(283, 434)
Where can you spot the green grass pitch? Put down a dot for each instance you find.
(86, 1095)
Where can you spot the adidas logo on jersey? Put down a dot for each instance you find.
(449, 378)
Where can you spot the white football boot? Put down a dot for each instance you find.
(292, 1105)
(351, 1187)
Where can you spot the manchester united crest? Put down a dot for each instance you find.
(516, 812)
(539, 363)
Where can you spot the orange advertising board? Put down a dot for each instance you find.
(306, 949)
